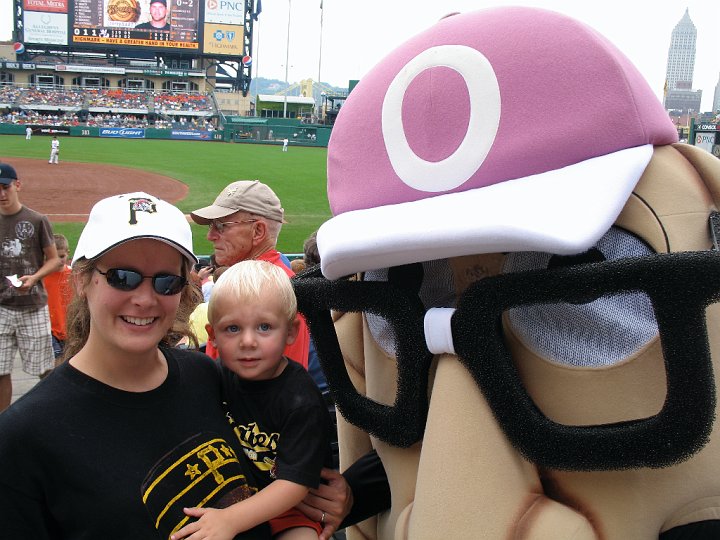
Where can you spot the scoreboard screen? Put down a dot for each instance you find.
(221, 29)
(138, 23)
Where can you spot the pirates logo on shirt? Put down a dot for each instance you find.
(202, 471)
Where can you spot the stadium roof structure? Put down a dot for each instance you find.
(299, 100)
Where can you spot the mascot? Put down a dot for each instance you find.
(517, 308)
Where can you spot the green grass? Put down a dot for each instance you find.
(298, 176)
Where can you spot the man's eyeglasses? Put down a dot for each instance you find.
(219, 226)
(680, 287)
(128, 280)
(5, 187)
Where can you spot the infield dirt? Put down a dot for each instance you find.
(67, 191)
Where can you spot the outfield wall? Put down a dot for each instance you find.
(297, 133)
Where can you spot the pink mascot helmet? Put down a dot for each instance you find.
(457, 143)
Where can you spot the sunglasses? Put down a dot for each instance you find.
(128, 280)
(220, 226)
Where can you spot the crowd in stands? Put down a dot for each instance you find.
(116, 99)
(70, 118)
(169, 107)
(187, 123)
(17, 95)
(33, 96)
(116, 120)
(10, 94)
(169, 102)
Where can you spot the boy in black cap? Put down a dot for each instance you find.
(158, 17)
(28, 255)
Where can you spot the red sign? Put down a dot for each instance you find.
(53, 6)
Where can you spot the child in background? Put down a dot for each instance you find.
(274, 406)
(199, 320)
(59, 293)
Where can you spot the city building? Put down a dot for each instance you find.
(716, 98)
(679, 93)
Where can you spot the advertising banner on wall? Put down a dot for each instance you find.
(50, 130)
(52, 6)
(195, 135)
(17, 65)
(123, 133)
(223, 39)
(225, 11)
(705, 141)
(46, 28)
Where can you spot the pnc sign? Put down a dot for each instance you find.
(225, 11)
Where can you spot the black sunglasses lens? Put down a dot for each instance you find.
(168, 284)
(125, 280)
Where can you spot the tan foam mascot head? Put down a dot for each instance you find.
(531, 335)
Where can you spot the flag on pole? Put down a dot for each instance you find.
(258, 10)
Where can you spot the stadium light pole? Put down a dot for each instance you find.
(256, 61)
(287, 60)
(320, 54)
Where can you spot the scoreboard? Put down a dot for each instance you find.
(217, 28)
(115, 22)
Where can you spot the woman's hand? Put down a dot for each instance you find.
(329, 503)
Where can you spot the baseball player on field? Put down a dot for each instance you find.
(54, 150)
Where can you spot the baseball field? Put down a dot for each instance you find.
(189, 174)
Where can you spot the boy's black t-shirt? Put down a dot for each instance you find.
(283, 425)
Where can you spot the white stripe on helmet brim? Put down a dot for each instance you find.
(564, 211)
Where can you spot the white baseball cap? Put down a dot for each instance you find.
(121, 218)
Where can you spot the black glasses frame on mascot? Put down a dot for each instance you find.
(679, 285)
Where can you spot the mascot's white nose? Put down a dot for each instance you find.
(438, 334)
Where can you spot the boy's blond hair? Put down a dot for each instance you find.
(61, 242)
(247, 280)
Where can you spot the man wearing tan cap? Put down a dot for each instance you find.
(244, 223)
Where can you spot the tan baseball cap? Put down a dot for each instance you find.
(250, 196)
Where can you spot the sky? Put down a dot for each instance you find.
(357, 34)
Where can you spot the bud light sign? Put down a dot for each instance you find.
(225, 11)
(123, 133)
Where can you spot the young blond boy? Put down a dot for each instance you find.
(59, 291)
(274, 406)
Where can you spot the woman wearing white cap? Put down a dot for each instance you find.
(128, 430)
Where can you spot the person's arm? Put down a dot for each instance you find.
(52, 264)
(368, 482)
(268, 503)
(197, 277)
(360, 492)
